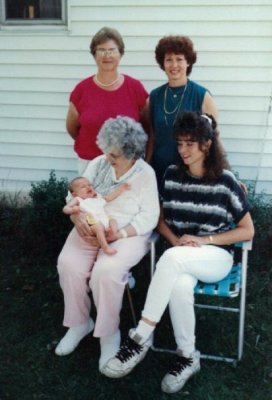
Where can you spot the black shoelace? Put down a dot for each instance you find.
(179, 365)
(128, 349)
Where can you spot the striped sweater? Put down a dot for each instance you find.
(195, 207)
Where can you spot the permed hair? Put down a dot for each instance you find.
(105, 34)
(124, 134)
(201, 128)
(177, 45)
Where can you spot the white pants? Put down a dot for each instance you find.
(176, 275)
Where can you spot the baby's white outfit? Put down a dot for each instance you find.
(95, 206)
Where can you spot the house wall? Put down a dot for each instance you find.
(39, 67)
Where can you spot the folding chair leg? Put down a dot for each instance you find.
(152, 241)
(242, 305)
(131, 306)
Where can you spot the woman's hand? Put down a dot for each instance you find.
(83, 229)
(190, 240)
(174, 240)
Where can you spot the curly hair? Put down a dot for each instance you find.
(124, 134)
(105, 34)
(177, 45)
(201, 128)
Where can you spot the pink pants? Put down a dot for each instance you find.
(81, 265)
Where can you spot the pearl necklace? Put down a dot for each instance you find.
(176, 109)
(107, 84)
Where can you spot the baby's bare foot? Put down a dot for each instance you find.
(110, 251)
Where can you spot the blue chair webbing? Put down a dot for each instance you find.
(227, 287)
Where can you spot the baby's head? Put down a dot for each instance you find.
(82, 188)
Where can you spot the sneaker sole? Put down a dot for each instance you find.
(166, 389)
(110, 373)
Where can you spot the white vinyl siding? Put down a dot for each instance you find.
(39, 68)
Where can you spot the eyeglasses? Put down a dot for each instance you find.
(109, 52)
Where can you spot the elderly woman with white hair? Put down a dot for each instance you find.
(82, 265)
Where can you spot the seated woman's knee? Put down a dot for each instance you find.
(65, 263)
(106, 272)
(184, 287)
(186, 282)
(168, 258)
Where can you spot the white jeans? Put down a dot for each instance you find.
(176, 275)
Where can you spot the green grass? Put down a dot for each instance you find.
(31, 311)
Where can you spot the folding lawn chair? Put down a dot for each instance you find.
(131, 281)
(232, 286)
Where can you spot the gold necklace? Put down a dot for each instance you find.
(107, 84)
(176, 109)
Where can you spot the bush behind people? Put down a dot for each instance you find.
(40, 227)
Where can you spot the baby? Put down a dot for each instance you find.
(87, 200)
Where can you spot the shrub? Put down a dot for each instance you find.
(262, 217)
(40, 227)
(11, 213)
(45, 224)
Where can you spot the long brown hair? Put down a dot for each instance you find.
(201, 128)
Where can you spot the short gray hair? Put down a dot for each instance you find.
(124, 134)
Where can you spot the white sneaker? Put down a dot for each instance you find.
(131, 352)
(182, 369)
(73, 336)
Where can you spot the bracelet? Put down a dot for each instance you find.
(123, 233)
(211, 239)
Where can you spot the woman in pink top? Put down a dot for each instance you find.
(104, 95)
